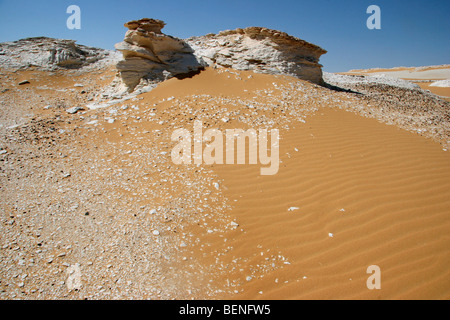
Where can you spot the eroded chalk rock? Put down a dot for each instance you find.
(51, 54)
(153, 56)
(261, 50)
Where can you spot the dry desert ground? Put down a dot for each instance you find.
(93, 207)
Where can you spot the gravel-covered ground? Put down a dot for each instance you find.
(93, 208)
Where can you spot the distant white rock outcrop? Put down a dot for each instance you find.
(51, 54)
(441, 83)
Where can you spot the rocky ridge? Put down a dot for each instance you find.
(261, 50)
(151, 56)
(52, 54)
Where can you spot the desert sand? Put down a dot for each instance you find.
(413, 73)
(423, 76)
(95, 191)
(96, 203)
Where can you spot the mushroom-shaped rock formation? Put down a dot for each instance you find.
(152, 55)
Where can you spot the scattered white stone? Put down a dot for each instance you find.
(216, 185)
(78, 85)
(331, 235)
(74, 110)
(153, 211)
(248, 278)
(293, 208)
(74, 279)
(340, 79)
(155, 232)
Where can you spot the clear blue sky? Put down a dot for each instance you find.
(414, 32)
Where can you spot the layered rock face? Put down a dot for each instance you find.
(151, 55)
(261, 50)
(49, 54)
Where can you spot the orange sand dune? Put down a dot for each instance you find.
(383, 193)
(367, 193)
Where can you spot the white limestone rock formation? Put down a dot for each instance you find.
(51, 54)
(260, 50)
(152, 56)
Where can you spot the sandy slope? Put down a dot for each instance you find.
(443, 92)
(382, 193)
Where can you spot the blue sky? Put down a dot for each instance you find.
(414, 32)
